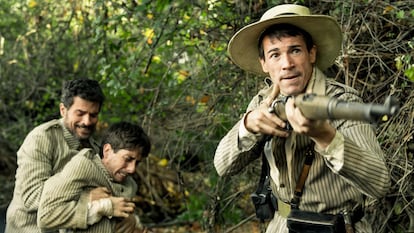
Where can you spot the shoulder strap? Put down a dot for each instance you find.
(310, 154)
(263, 175)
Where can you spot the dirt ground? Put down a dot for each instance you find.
(249, 227)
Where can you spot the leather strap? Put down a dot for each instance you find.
(264, 181)
(310, 154)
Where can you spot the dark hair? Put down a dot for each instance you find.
(284, 30)
(86, 89)
(125, 135)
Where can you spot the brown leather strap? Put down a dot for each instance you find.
(310, 154)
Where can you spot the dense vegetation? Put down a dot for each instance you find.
(164, 64)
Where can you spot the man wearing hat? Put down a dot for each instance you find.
(292, 47)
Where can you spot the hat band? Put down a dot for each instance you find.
(287, 13)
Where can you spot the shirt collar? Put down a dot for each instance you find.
(71, 140)
(316, 83)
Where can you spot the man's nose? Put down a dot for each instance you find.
(130, 168)
(87, 119)
(286, 61)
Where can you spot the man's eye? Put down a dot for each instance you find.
(274, 55)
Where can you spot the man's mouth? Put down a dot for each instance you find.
(84, 128)
(290, 76)
(83, 132)
(121, 176)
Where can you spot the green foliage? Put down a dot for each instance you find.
(164, 65)
(12, 23)
(405, 64)
(195, 208)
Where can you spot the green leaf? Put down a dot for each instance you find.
(409, 73)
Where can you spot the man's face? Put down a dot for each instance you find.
(81, 118)
(122, 163)
(288, 63)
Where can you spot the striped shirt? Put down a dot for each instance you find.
(65, 197)
(352, 166)
(44, 152)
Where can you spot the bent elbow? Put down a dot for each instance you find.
(42, 221)
(46, 219)
(380, 190)
(218, 165)
(384, 189)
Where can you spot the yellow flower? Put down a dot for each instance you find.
(32, 3)
(163, 162)
(149, 34)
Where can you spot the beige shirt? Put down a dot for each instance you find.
(44, 152)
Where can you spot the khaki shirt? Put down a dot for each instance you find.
(44, 152)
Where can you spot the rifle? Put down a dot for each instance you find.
(321, 107)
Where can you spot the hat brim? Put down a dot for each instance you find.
(325, 31)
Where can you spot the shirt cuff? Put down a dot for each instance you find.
(334, 152)
(99, 208)
(246, 139)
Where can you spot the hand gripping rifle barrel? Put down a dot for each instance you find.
(320, 107)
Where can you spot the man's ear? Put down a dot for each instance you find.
(262, 62)
(312, 54)
(62, 109)
(106, 149)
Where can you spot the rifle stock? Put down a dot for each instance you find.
(320, 107)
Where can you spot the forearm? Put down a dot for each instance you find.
(366, 169)
(231, 156)
(65, 196)
(57, 212)
(33, 171)
(358, 158)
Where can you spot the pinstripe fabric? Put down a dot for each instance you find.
(44, 152)
(64, 204)
(326, 191)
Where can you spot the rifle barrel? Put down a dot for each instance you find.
(316, 107)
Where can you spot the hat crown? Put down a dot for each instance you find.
(286, 9)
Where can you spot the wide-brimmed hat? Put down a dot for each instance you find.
(325, 31)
